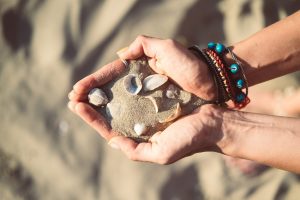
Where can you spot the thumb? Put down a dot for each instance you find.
(142, 45)
(123, 143)
(133, 150)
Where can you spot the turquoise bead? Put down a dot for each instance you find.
(240, 83)
(240, 97)
(219, 48)
(211, 45)
(234, 68)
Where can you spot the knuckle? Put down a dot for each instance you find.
(170, 42)
(164, 161)
(140, 37)
(132, 156)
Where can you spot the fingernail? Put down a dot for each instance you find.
(113, 145)
(71, 106)
(122, 50)
(75, 87)
(70, 95)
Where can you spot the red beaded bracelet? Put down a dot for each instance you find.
(234, 74)
(230, 79)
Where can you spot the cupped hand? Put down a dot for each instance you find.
(194, 133)
(188, 135)
(170, 58)
(79, 97)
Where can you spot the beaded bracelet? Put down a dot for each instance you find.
(221, 71)
(235, 75)
(230, 80)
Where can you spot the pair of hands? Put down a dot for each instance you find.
(188, 135)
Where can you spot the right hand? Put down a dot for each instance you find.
(170, 58)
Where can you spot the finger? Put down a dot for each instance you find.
(100, 77)
(94, 119)
(154, 138)
(142, 45)
(73, 96)
(145, 152)
(153, 63)
(71, 106)
(123, 143)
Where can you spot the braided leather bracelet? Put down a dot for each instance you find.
(230, 79)
(221, 94)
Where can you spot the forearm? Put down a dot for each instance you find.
(266, 139)
(272, 52)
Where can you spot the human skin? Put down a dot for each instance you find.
(270, 140)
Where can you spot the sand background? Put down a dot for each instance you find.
(46, 152)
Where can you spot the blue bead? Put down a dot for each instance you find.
(211, 45)
(240, 83)
(240, 97)
(234, 68)
(219, 48)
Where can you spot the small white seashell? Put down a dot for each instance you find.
(140, 129)
(174, 115)
(97, 97)
(185, 96)
(113, 110)
(132, 84)
(172, 92)
(154, 102)
(154, 81)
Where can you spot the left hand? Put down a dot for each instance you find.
(188, 135)
(79, 97)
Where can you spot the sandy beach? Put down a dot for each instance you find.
(48, 153)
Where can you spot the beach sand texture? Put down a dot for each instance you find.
(46, 152)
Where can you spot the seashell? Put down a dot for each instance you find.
(132, 84)
(174, 115)
(154, 81)
(97, 97)
(154, 101)
(185, 96)
(113, 109)
(140, 129)
(172, 92)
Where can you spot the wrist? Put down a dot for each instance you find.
(207, 87)
(203, 84)
(247, 59)
(227, 75)
(223, 127)
(217, 138)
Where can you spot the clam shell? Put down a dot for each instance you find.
(154, 81)
(113, 110)
(140, 129)
(173, 116)
(154, 102)
(132, 84)
(185, 96)
(97, 97)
